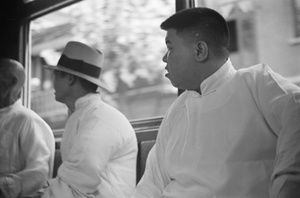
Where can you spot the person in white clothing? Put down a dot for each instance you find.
(231, 133)
(99, 146)
(26, 140)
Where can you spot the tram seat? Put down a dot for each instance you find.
(144, 148)
(146, 132)
(57, 162)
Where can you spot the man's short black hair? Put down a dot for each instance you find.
(204, 23)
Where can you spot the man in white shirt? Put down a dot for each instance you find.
(26, 141)
(232, 133)
(99, 146)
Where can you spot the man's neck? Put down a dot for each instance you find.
(71, 103)
(7, 102)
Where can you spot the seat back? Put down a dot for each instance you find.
(144, 148)
(146, 131)
(57, 162)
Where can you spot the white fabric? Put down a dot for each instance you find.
(239, 139)
(26, 151)
(99, 150)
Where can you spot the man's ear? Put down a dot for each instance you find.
(201, 51)
(14, 81)
(71, 79)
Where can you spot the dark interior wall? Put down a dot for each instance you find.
(10, 28)
(13, 14)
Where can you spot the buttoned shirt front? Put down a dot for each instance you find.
(239, 139)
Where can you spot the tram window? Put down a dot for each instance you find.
(129, 35)
(296, 9)
(262, 33)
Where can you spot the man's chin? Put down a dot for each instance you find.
(57, 98)
(167, 75)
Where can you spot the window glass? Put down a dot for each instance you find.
(296, 6)
(262, 32)
(128, 33)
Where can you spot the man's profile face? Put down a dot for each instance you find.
(7, 82)
(180, 61)
(4, 91)
(60, 86)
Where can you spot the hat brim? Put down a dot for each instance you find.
(86, 77)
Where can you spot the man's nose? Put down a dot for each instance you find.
(164, 59)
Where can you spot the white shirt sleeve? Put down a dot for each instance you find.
(279, 101)
(37, 154)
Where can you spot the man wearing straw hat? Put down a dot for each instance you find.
(99, 146)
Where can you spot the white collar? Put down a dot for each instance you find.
(86, 99)
(217, 79)
(8, 108)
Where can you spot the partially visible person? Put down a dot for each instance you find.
(99, 146)
(26, 140)
(232, 133)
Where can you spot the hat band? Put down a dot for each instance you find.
(79, 66)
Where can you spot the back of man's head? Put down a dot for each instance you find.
(12, 79)
(200, 24)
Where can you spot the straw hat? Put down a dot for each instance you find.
(81, 60)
